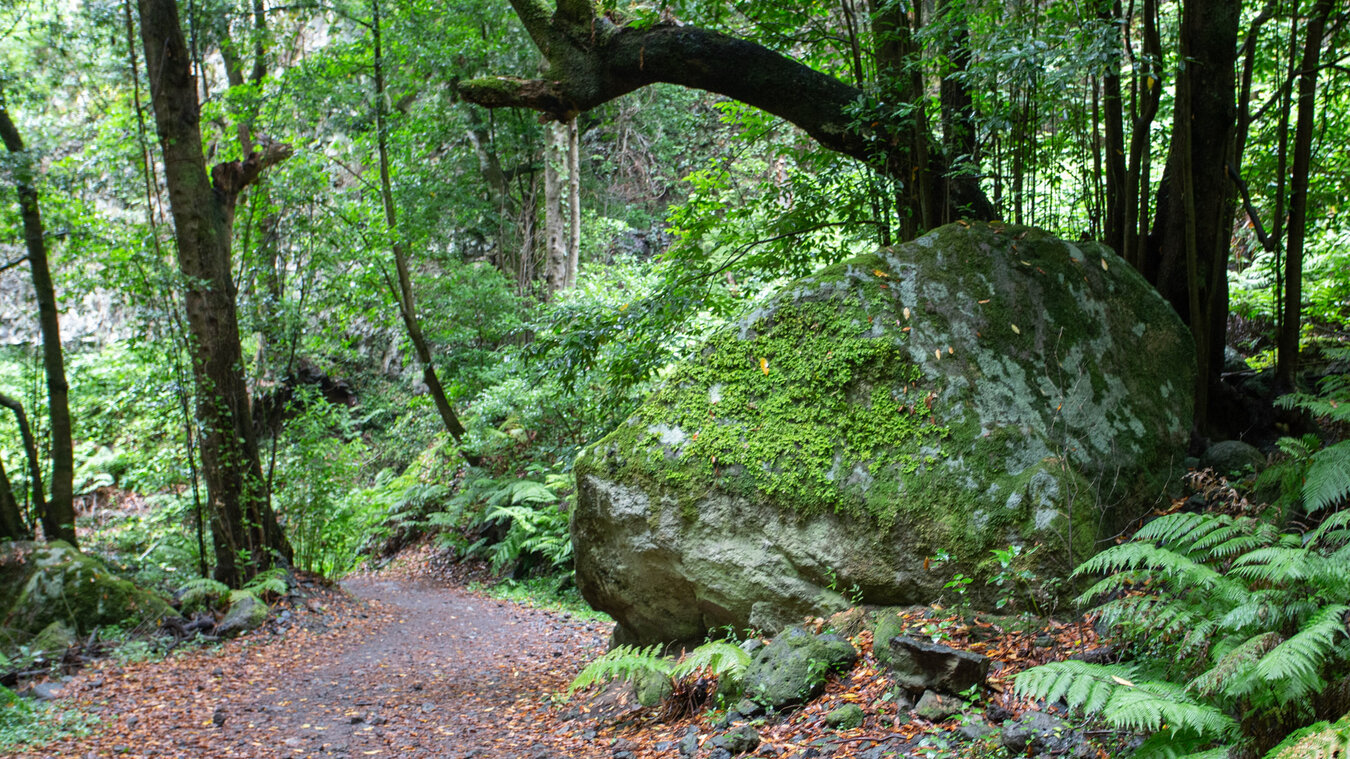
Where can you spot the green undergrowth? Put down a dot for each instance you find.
(25, 723)
(542, 592)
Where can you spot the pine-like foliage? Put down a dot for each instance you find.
(1238, 630)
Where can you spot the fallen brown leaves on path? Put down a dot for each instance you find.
(407, 664)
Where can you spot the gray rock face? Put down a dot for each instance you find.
(975, 388)
(791, 670)
(845, 717)
(1040, 733)
(919, 666)
(1233, 457)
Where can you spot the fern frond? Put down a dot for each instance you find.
(1079, 684)
(1230, 675)
(626, 663)
(725, 660)
(1294, 667)
(1179, 570)
(1155, 706)
(1182, 528)
(1334, 531)
(1327, 481)
(202, 589)
(269, 581)
(1277, 565)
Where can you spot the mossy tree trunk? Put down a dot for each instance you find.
(58, 518)
(245, 533)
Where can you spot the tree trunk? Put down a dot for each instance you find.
(59, 516)
(403, 292)
(12, 526)
(34, 464)
(245, 534)
(1114, 130)
(1147, 95)
(1208, 46)
(1287, 343)
(555, 228)
(573, 203)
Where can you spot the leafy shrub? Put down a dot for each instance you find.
(523, 523)
(1239, 632)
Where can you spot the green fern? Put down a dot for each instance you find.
(623, 663)
(201, 589)
(724, 660)
(1237, 627)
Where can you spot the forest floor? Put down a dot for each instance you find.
(408, 663)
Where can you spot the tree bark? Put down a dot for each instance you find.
(1147, 96)
(34, 464)
(1208, 48)
(555, 227)
(59, 516)
(12, 526)
(573, 203)
(1287, 342)
(1114, 119)
(593, 61)
(245, 534)
(403, 293)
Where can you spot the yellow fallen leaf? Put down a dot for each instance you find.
(906, 312)
(1104, 267)
(880, 273)
(938, 353)
(1122, 681)
(1016, 331)
(764, 365)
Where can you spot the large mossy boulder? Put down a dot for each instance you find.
(982, 386)
(44, 583)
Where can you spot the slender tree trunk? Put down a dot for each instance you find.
(1195, 199)
(573, 203)
(12, 526)
(403, 293)
(245, 533)
(34, 465)
(1117, 200)
(555, 226)
(1148, 94)
(1287, 343)
(59, 516)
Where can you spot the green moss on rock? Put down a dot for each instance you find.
(46, 583)
(981, 386)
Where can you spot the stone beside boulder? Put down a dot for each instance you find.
(1233, 458)
(791, 670)
(982, 386)
(245, 614)
(46, 583)
(919, 666)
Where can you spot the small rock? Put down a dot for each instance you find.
(791, 670)
(920, 665)
(748, 709)
(45, 691)
(976, 730)
(219, 716)
(245, 614)
(1044, 641)
(1233, 457)
(689, 743)
(624, 755)
(1040, 732)
(740, 740)
(845, 717)
(935, 708)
